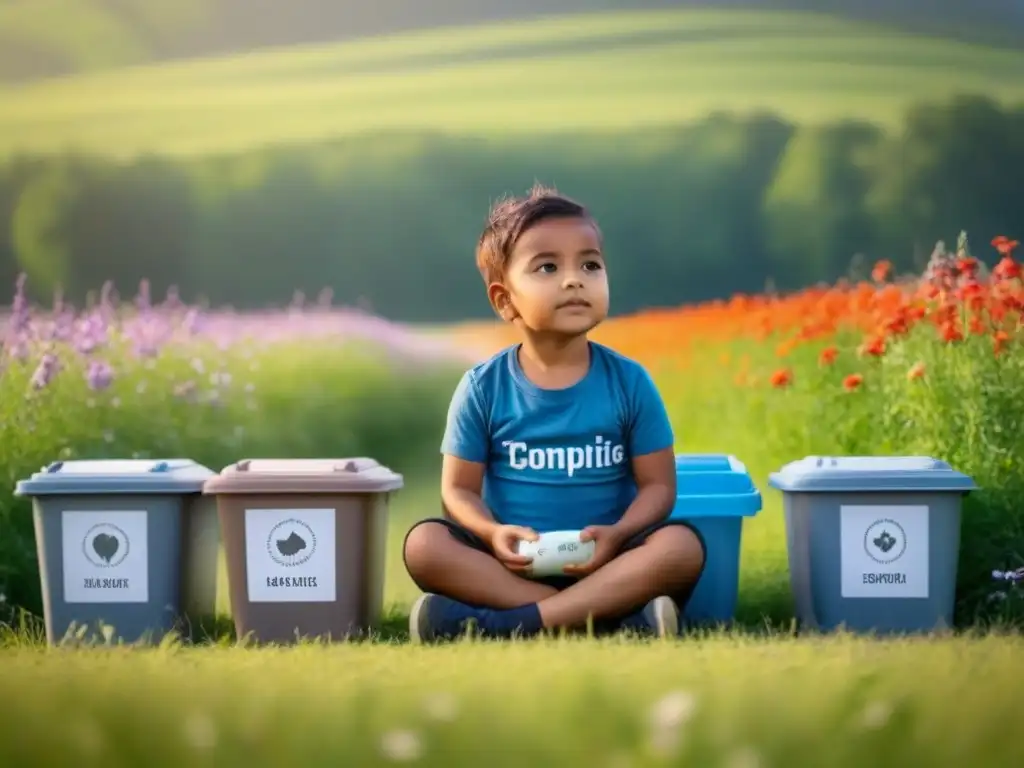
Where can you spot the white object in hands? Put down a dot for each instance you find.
(554, 550)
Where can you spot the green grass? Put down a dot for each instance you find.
(587, 74)
(725, 701)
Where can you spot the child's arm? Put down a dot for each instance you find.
(466, 448)
(655, 477)
(461, 485)
(652, 448)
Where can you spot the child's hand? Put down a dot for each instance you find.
(503, 544)
(607, 542)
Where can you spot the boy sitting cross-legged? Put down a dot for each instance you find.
(553, 433)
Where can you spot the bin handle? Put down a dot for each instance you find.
(160, 466)
(353, 466)
(356, 465)
(54, 467)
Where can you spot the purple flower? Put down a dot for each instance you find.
(63, 325)
(1012, 576)
(100, 375)
(91, 333)
(47, 369)
(20, 313)
(193, 322)
(148, 334)
(173, 300)
(142, 301)
(18, 349)
(107, 299)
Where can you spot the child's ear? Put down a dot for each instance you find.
(501, 301)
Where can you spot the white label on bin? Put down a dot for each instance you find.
(884, 551)
(105, 556)
(289, 555)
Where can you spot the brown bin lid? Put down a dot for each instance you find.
(352, 475)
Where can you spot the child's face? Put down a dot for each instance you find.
(555, 279)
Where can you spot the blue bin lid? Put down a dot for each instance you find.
(116, 476)
(827, 474)
(714, 485)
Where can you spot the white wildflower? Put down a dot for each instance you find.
(441, 707)
(667, 718)
(401, 746)
(876, 714)
(673, 710)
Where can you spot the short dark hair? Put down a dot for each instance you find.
(511, 217)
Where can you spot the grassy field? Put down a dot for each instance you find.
(734, 702)
(919, 367)
(656, 68)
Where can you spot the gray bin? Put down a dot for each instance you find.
(873, 542)
(113, 539)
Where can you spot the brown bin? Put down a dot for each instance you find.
(304, 544)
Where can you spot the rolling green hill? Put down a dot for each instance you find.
(585, 73)
(45, 38)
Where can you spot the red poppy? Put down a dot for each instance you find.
(1004, 245)
(875, 347)
(1006, 269)
(950, 333)
(881, 271)
(999, 341)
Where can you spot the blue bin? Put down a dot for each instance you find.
(873, 541)
(112, 537)
(714, 493)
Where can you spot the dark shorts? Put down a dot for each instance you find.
(473, 541)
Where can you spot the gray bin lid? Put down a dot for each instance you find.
(116, 476)
(826, 474)
(275, 476)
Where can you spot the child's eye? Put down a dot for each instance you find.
(548, 267)
(591, 266)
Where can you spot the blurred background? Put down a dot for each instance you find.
(241, 150)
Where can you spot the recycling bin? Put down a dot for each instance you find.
(873, 541)
(304, 541)
(714, 493)
(111, 541)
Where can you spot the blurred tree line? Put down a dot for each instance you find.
(693, 213)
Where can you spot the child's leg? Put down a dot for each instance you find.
(667, 560)
(445, 559)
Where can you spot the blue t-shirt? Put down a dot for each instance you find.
(557, 459)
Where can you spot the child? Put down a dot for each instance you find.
(554, 433)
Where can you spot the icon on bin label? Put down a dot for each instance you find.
(291, 542)
(885, 541)
(105, 545)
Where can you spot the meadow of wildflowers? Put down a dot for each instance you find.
(160, 379)
(930, 364)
